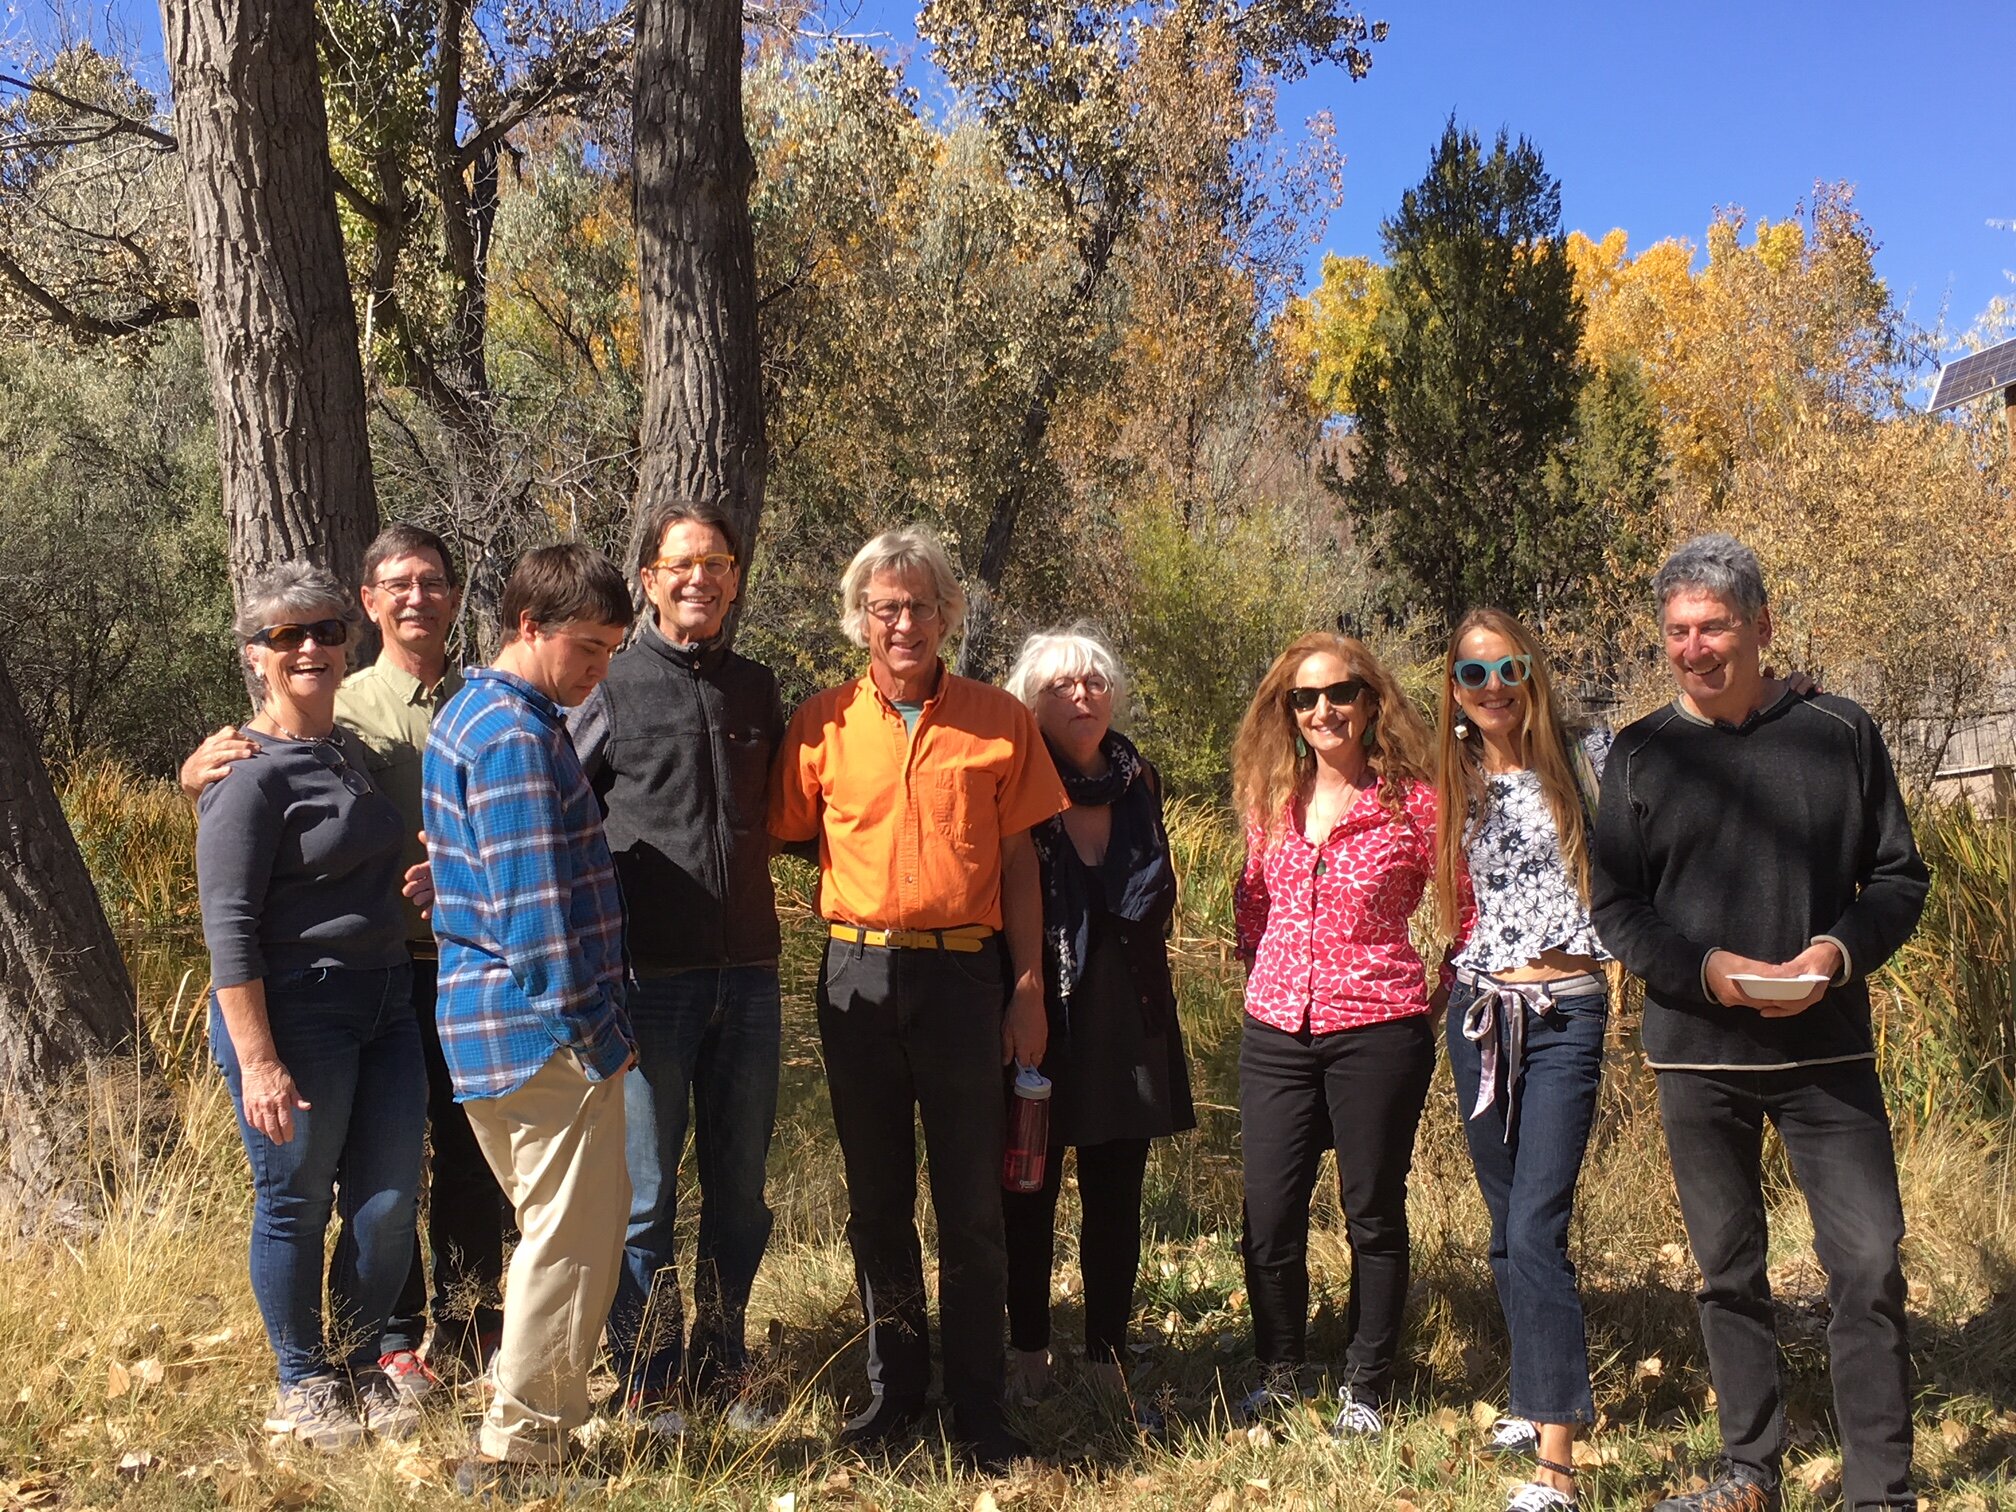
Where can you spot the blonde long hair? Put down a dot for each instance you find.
(1462, 793)
(1270, 763)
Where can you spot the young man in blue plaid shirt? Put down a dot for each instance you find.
(530, 925)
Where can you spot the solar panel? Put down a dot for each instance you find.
(1974, 375)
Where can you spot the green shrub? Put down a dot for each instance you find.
(1943, 1005)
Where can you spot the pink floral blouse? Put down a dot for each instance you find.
(1323, 929)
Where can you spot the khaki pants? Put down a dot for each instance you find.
(556, 1148)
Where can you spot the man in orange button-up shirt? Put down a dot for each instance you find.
(921, 788)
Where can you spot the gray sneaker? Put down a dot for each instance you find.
(388, 1412)
(1276, 1396)
(318, 1412)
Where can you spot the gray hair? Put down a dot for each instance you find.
(1074, 651)
(291, 593)
(1716, 564)
(910, 552)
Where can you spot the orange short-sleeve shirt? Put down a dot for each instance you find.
(909, 824)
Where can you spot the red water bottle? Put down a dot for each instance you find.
(1028, 1143)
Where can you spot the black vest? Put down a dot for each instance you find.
(685, 783)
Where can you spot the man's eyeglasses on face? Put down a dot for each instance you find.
(1094, 685)
(890, 611)
(430, 587)
(1302, 700)
(328, 632)
(714, 564)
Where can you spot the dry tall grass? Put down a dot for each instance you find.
(133, 1370)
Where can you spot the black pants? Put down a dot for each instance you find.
(465, 1212)
(908, 1033)
(1836, 1133)
(1359, 1092)
(1109, 1246)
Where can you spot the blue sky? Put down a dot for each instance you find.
(1653, 114)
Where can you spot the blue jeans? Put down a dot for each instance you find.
(708, 1040)
(349, 1041)
(1528, 1182)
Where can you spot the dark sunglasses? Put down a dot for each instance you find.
(1511, 670)
(1302, 700)
(329, 632)
(332, 757)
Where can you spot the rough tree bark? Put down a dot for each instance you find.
(279, 329)
(702, 430)
(66, 1003)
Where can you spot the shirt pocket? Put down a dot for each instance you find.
(747, 755)
(964, 810)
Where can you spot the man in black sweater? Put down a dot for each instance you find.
(677, 743)
(1753, 862)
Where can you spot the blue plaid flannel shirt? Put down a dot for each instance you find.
(527, 911)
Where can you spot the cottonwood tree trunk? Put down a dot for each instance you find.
(66, 1003)
(702, 431)
(279, 329)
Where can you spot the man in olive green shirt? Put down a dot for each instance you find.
(411, 594)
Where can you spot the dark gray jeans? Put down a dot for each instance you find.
(910, 1033)
(1836, 1133)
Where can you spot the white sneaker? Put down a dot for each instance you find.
(1513, 1435)
(1537, 1497)
(1357, 1418)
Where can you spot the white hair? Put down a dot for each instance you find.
(910, 552)
(1073, 651)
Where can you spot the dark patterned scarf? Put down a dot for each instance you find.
(1137, 879)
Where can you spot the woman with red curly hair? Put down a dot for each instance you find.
(1330, 774)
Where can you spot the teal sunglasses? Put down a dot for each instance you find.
(1511, 671)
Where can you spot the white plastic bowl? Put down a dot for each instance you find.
(1777, 989)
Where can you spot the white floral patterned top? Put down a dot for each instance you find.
(1527, 902)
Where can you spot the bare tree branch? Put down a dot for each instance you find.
(116, 122)
(139, 318)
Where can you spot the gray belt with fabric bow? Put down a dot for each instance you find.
(1498, 1016)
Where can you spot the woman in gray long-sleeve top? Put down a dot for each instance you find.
(298, 866)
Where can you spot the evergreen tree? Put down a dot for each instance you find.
(1466, 402)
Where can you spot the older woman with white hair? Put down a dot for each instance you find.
(1114, 1054)
(298, 867)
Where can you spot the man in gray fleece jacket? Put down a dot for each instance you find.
(1753, 862)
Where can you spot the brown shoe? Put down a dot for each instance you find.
(1736, 1489)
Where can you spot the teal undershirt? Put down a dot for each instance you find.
(909, 711)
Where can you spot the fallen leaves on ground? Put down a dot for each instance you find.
(1820, 1475)
(29, 1492)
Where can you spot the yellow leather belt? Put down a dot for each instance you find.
(967, 939)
